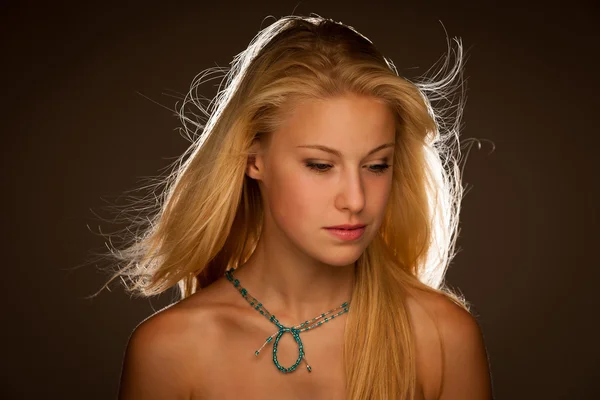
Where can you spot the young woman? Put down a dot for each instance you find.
(308, 228)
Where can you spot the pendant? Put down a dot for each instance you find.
(296, 334)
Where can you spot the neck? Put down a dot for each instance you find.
(293, 286)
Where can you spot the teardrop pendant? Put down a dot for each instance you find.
(296, 334)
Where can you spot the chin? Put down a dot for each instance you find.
(342, 257)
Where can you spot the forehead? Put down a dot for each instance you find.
(348, 121)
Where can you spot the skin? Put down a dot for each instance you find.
(299, 268)
(203, 346)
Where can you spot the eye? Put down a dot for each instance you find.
(377, 169)
(319, 168)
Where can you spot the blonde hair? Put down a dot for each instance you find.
(210, 214)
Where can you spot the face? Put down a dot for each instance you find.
(307, 188)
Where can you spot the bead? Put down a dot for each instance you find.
(300, 350)
(294, 331)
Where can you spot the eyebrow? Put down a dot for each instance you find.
(337, 153)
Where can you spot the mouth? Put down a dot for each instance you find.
(346, 227)
(347, 234)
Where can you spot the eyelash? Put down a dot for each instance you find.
(313, 166)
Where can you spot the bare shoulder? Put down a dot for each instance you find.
(167, 351)
(451, 356)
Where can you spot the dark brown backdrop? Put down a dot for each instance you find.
(75, 131)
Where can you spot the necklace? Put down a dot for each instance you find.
(294, 330)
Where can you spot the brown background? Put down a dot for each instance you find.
(76, 134)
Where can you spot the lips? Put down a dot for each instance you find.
(347, 227)
(347, 234)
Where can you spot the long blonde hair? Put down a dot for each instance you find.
(208, 216)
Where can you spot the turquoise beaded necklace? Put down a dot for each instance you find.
(294, 330)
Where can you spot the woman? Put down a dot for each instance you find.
(308, 228)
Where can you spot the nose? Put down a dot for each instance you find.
(351, 194)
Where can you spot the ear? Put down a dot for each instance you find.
(255, 164)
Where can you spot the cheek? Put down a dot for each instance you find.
(296, 201)
(379, 194)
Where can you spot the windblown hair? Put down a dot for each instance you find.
(208, 216)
